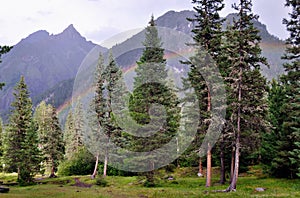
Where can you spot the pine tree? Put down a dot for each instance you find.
(50, 135)
(207, 38)
(96, 114)
(20, 150)
(247, 93)
(150, 87)
(32, 155)
(271, 157)
(291, 84)
(53, 143)
(68, 136)
(73, 132)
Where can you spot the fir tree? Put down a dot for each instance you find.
(207, 38)
(247, 94)
(73, 132)
(96, 113)
(50, 135)
(20, 150)
(291, 84)
(271, 158)
(150, 87)
(68, 136)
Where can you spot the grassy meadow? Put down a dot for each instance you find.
(181, 187)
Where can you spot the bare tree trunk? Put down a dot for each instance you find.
(222, 162)
(208, 170)
(52, 174)
(105, 165)
(200, 167)
(234, 179)
(18, 173)
(232, 163)
(208, 157)
(96, 167)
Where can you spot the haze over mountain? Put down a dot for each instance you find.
(50, 62)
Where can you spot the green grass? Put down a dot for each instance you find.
(130, 187)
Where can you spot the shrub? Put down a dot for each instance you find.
(100, 181)
(82, 163)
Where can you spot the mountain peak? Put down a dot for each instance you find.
(70, 32)
(37, 36)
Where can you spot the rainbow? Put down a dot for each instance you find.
(62, 109)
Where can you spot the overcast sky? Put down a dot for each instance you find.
(97, 20)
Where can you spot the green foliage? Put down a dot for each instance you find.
(101, 181)
(150, 88)
(73, 131)
(50, 135)
(282, 145)
(246, 87)
(81, 163)
(21, 151)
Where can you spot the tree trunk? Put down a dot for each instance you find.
(208, 169)
(105, 165)
(222, 163)
(234, 179)
(18, 173)
(96, 167)
(200, 167)
(52, 174)
(208, 158)
(232, 186)
(232, 163)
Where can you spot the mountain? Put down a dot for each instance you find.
(44, 60)
(272, 47)
(50, 62)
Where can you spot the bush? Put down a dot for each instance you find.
(82, 163)
(100, 181)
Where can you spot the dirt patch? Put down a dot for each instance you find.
(81, 184)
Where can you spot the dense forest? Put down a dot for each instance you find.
(261, 126)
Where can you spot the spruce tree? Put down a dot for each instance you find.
(271, 156)
(106, 78)
(207, 38)
(96, 113)
(150, 87)
(21, 145)
(50, 135)
(291, 84)
(68, 136)
(247, 94)
(73, 132)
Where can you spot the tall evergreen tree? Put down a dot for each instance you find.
(73, 132)
(271, 154)
(97, 111)
(247, 93)
(291, 84)
(207, 38)
(50, 135)
(20, 150)
(69, 137)
(53, 143)
(150, 87)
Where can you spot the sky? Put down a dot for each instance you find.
(98, 20)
